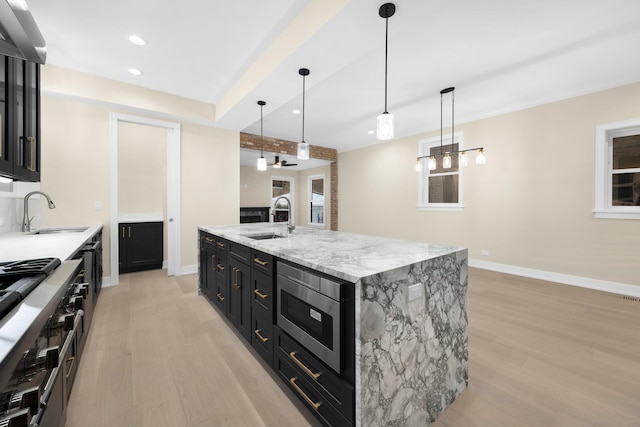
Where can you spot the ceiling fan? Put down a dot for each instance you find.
(281, 163)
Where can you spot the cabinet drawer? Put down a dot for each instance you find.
(208, 241)
(262, 262)
(240, 252)
(221, 245)
(219, 295)
(308, 393)
(262, 337)
(221, 265)
(331, 387)
(262, 295)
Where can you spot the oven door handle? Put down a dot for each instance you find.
(308, 371)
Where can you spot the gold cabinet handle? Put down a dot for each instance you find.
(260, 294)
(72, 359)
(220, 267)
(123, 227)
(260, 262)
(293, 357)
(263, 339)
(315, 405)
(220, 297)
(213, 263)
(235, 284)
(208, 239)
(221, 244)
(32, 161)
(129, 232)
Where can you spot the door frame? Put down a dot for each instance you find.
(173, 190)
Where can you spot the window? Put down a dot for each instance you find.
(316, 200)
(282, 186)
(440, 189)
(618, 170)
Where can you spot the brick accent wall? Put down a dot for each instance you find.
(273, 145)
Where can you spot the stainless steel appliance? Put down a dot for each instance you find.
(311, 310)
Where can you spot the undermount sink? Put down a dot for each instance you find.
(264, 236)
(60, 230)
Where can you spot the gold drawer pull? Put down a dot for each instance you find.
(260, 262)
(315, 405)
(292, 355)
(260, 294)
(263, 339)
(71, 360)
(213, 261)
(221, 244)
(220, 267)
(208, 239)
(220, 297)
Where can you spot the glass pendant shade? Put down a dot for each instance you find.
(481, 159)
(432, 163)
(464, 161)
(262, 164)
(446, 161)
(303, 151)
(384, 129)
(419, 165)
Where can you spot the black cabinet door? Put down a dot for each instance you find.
(24, 132)
(239, 302)
(6, 165)
(140, 246)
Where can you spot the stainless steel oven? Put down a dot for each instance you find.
(311, 310)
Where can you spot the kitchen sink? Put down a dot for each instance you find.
(60, 230)
(264, 236)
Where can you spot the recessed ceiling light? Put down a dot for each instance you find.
(371, 132)
(137, 40)
(296, 111)
(135, 71)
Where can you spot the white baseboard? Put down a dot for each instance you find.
(566, 279)
(106, 282)
(188, 269)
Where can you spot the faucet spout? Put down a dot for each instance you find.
(26, 221)
(290, 226)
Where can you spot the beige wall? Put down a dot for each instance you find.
(529, 206)
(75, 155)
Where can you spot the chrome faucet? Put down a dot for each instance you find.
(26, 221)
(290, 226)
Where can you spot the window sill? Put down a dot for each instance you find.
(441, 208)
(607, 214)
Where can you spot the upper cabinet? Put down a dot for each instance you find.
(19, 119)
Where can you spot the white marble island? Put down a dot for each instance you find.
(411, 354)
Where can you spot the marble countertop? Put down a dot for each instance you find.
(347, 256)
(21, 246)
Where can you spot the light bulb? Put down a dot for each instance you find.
(481, 159)
(384, 129)
(446, 161)
(418, 165)
(262, 164)
(303, 151)
(464, 161)
(432, 163)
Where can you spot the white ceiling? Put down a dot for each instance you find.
(501, 55)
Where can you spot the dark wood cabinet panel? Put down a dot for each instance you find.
(140, 246)
(20, 119)
(239, 302)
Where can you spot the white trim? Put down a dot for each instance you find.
(173, 189)
(188, 269)
(603, 172)
(423, 203)
(292, 192)
(310, 199)
(566, 279)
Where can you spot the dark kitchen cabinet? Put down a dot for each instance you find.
(239, 303)
(221, 290)
(140, 246)
(20, 119)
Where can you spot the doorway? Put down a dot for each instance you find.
(172, 190)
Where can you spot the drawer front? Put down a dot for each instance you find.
(219, 295)
(240, 252)
(221, 265)
(221, 245)
(333, 388)
(262, 337)
(308, 393)
(262, 294)
(208, 241)
(262, 262)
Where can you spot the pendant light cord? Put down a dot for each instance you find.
(386, 52)
(452, 116)
(303, 96)
(261, 137)
(440, 123)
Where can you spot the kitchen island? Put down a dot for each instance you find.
(411, 324)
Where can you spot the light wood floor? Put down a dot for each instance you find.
(540, 354)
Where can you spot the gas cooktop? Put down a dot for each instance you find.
(18, 278)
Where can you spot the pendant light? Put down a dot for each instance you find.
(384, 127)
(446, 157)
(303, 147)
(262, 162)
